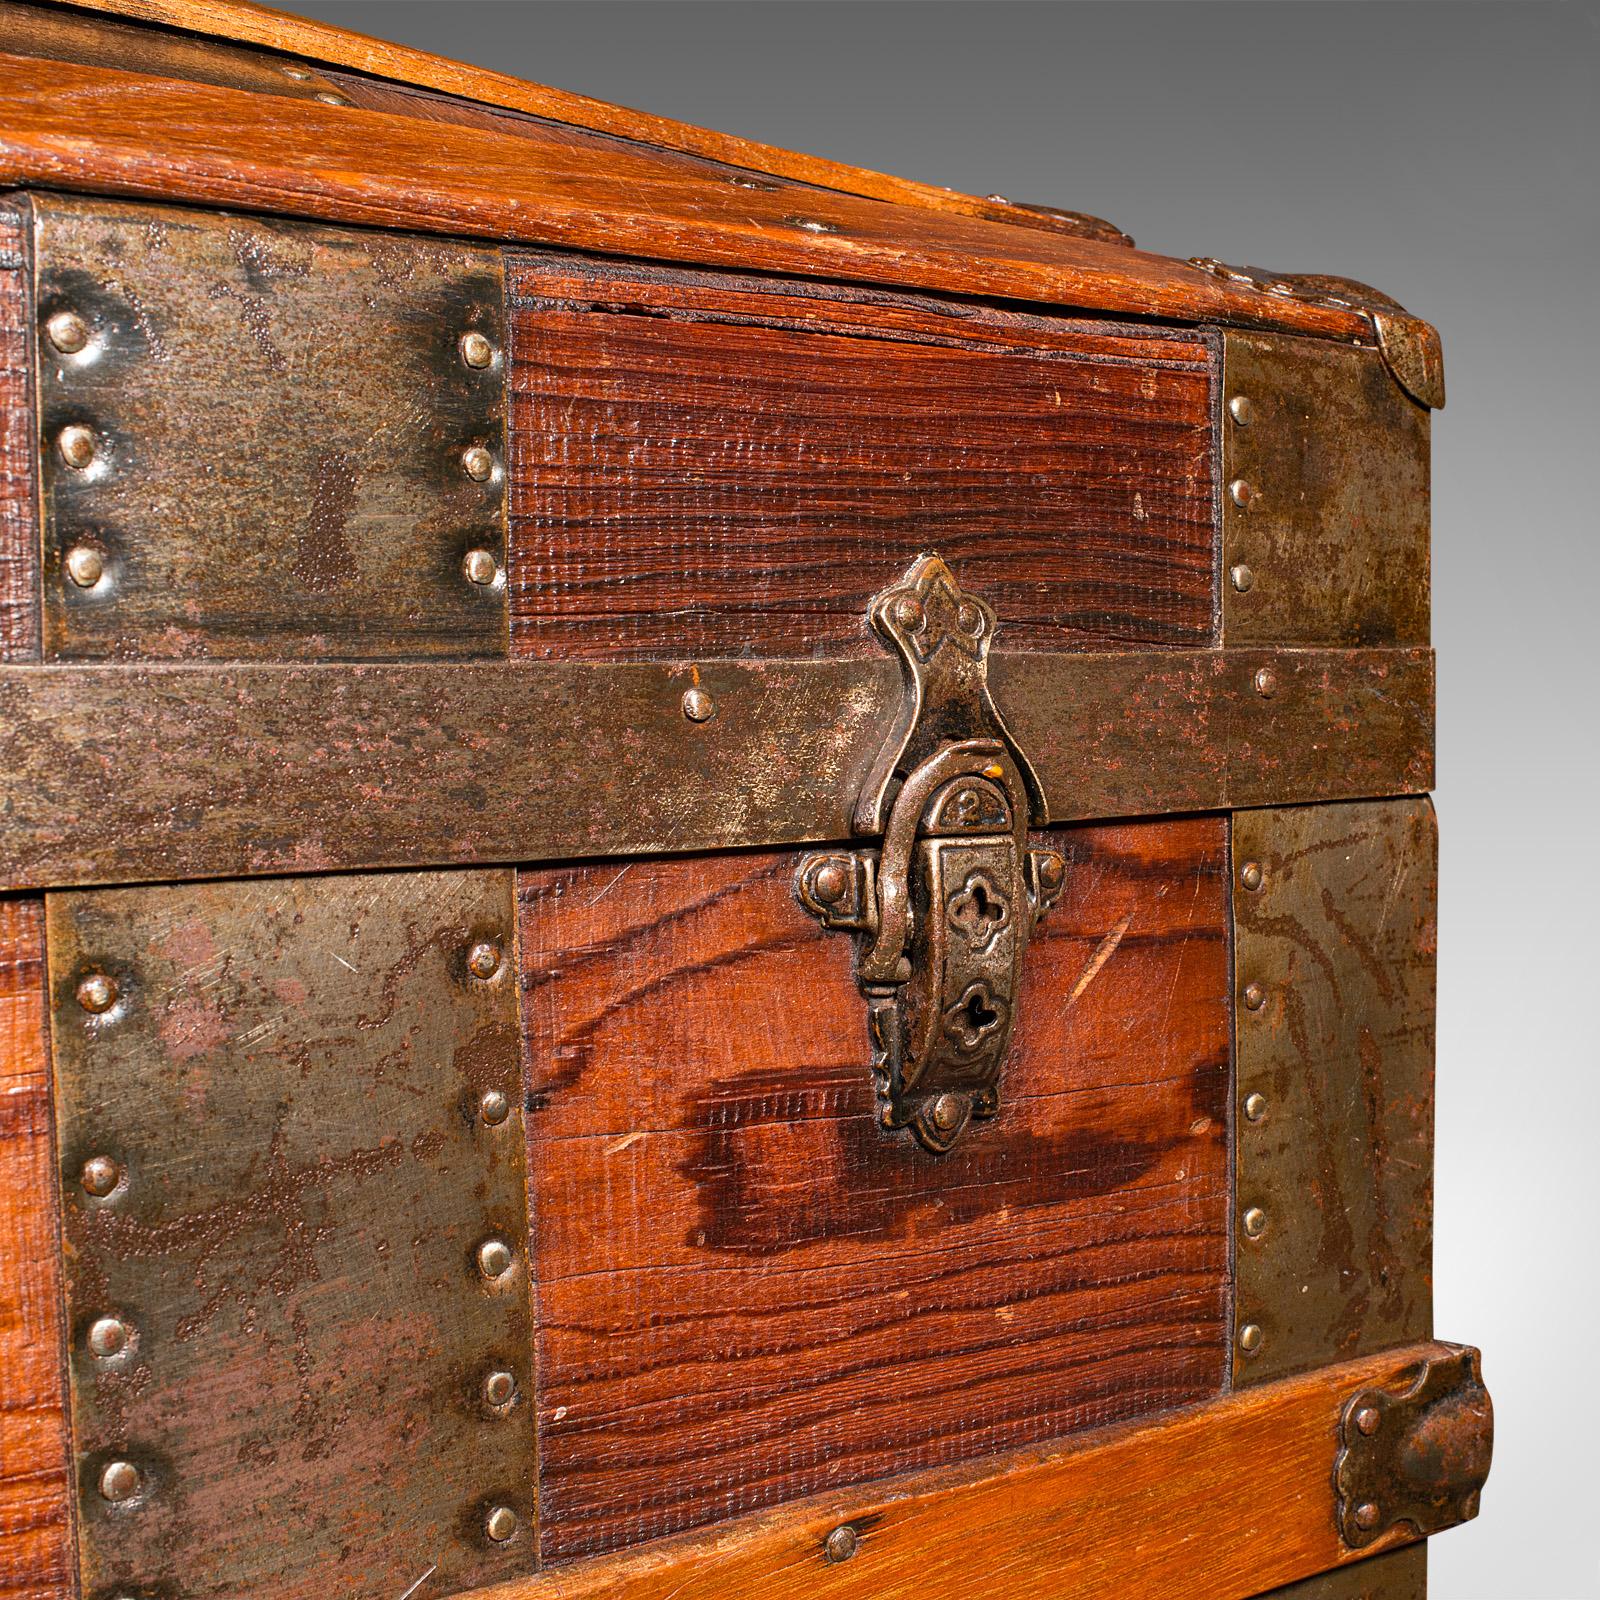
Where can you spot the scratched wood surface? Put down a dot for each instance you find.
(701, 469)
(19, 559)
(748, 1292)
(35, 1488)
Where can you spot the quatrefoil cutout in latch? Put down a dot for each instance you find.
(944, 902)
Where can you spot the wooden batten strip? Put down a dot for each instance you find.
(1220, 1500)
(160, 773)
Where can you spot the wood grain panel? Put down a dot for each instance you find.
(696, 475)
(35, 1487)
(19, 544)
(747, 1291)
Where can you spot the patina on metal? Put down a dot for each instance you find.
(255, 431)
(166, 772)
(1419, 1456)
(1334, 973)
(1330, 544)
(1393, 1575)
(945, 900)
(1409, 346)
(279, 1329)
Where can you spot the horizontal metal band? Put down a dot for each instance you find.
(159, 773)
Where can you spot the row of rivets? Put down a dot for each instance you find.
(477, 462)
(1253, 1220)
(1242, 493)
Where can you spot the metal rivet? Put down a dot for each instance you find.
(1254, 996)
(842, 1543)
(946, 1111)
(1367, 1515)
(1240, 492)
(698, 706)
(97, 993)
(477, 463)
(1250, 1337)
(483, 959)
(295, 72)
(108, 1336)
(480, 567)
(494, 1258)
(99, 1176)
(1250, 875)
(494, 1107)
(908, 613)
(68, 332)
(831, 883)
(1255, 1107)
(500, 1524)
(498, 1388)
(119, 1481)
(812, 225)
(1255, 1222)
(476, 350)
(1244, 578)
(1240, 409)
(1266, 682)
(1367, 1420)
(75, 443)
(329, 98)
(85, 565)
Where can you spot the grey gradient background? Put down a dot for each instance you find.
(1447, 154)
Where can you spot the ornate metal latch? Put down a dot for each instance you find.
(944, 905)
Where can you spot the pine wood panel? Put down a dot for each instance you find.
(696, 474)
(81, 127)
(35, 1487)
(19, 551)
(1218, 1501)
(747, 1291)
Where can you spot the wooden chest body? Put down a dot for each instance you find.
(483, 577)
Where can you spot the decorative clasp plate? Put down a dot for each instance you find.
(944, 903)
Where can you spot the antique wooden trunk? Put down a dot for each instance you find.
(718, 878)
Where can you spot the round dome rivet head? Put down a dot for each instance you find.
(1266, 682)
(908, 613)
(298, 73)
(698, 706)
(830, 883)
(1255, 1107)
(494, 1107)
(477, 463)
(119, 1481)
(1251, 876)
(476, 350)
(500, 1524)
(1244, 577)
(1240, 492)
(1255, 1222)
(75, 445)
(499, 1388)
(108, 1336)
(68, 332)
(85, 565)
(946, 1112)
(483, 959)
(842, 1543)
(480, 567)
(494, 1258)
(1250, 1337)
(99, 1176)
(1240, 409)
(1254, 996)
(329, 98)
(1366, 1516)
(97, 993)
(1367, 1420)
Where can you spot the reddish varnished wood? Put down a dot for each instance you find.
(716, 467)
(35, 1488)
(19, 544)
(747, 1291)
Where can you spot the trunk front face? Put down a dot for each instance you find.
(456, 695)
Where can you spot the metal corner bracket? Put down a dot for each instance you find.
(944, 902)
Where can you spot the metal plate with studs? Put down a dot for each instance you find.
(266, 439)
(1335, 930)
(1325, 503)
(291, 1146)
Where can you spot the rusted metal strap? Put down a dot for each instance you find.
(160, 773)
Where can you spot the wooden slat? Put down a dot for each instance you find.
(35, 1483)
(784, 1297)
(692, 473)
(163, 772)
(79, 127)
(19, 542)
(1219, 1500)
